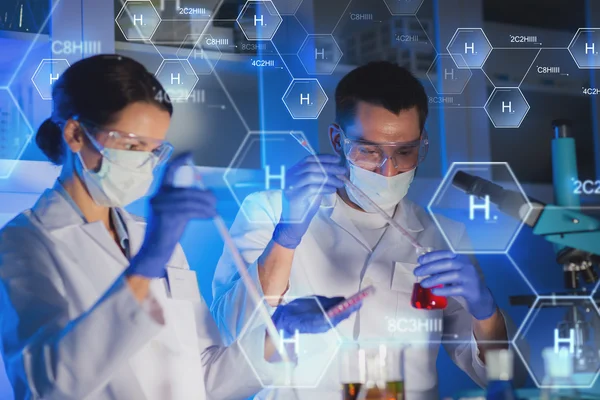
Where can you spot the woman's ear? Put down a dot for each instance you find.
(335, 138)
(73, 134)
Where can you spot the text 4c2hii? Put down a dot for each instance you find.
(586, 187)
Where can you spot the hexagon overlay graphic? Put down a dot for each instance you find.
(138, 20)
(320, 54)
(446, 77)
(259, 20)
(506, 107)
(305, 98)
(472, 45)
(269, 156)
(46, 74)
(403, 7)
(313, 353)
(585, 48)
(204, 65)
(560, 334)
(15, 132)
(487, 230)
(287, 7)
(177, 77)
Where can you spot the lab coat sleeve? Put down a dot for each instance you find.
(46, 351)
(251, 231)
(235, 372)
(458, 324)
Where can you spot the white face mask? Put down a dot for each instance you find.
(120, 180)
(385, 191)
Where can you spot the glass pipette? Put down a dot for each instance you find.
(243, 270)
(300, 138)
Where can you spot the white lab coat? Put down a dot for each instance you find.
(334, 260)
(71, 328)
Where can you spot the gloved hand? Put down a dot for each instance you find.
(460, 278)
(305, 316)
(306, 183)
(171, 210)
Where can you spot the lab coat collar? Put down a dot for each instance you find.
(405, 214)
(54, 211)
(136, 229)
(57, 215)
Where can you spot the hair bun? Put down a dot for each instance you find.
(49, 140)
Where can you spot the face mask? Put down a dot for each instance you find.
(120, 180)
(385, 191)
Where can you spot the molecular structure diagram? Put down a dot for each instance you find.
(450, 73)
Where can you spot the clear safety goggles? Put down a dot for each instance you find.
(157, 151)
(371, 156)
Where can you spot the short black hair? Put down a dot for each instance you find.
(97, 89)
(380, 83)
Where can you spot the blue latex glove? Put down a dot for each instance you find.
(170, 211)
(460, 278)
(305, 316)
(306, 183)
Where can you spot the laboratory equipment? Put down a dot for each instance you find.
(188, 176)
(423, 298)
(350, 301)
(364, 197)
(558, 376)
(575, 235)
(585, 355)
(499, 367)
(372, 372)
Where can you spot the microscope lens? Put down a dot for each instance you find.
(571, 280)
(590, 275)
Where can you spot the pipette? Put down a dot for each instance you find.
(351, 301)
(242, 270)
(300, 138)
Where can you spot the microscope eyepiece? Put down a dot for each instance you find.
(561, 128)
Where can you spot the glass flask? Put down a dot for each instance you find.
(372, 372)
(423, 298)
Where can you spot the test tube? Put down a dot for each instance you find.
(423, 298)
(351, 301)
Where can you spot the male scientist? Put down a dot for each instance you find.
(342, 245)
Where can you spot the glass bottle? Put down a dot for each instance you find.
(372, 373)
(499, 366)
(558, 379)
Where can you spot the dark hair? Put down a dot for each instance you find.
(96, 89)
(380, 83)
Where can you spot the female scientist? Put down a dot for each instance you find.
(96, 303)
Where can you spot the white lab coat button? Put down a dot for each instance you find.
(367, 282)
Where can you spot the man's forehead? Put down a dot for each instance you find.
(376, 124)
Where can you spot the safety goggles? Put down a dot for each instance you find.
(371, 156)
(158, 151)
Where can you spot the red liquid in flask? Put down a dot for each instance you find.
(423, 298)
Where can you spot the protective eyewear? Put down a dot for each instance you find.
(158, 151)
(371, 156)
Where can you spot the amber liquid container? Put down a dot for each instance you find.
(392, 391)
(372, 371)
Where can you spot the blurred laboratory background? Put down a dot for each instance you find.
(242, 86)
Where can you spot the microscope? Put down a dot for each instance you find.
(575, 236)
